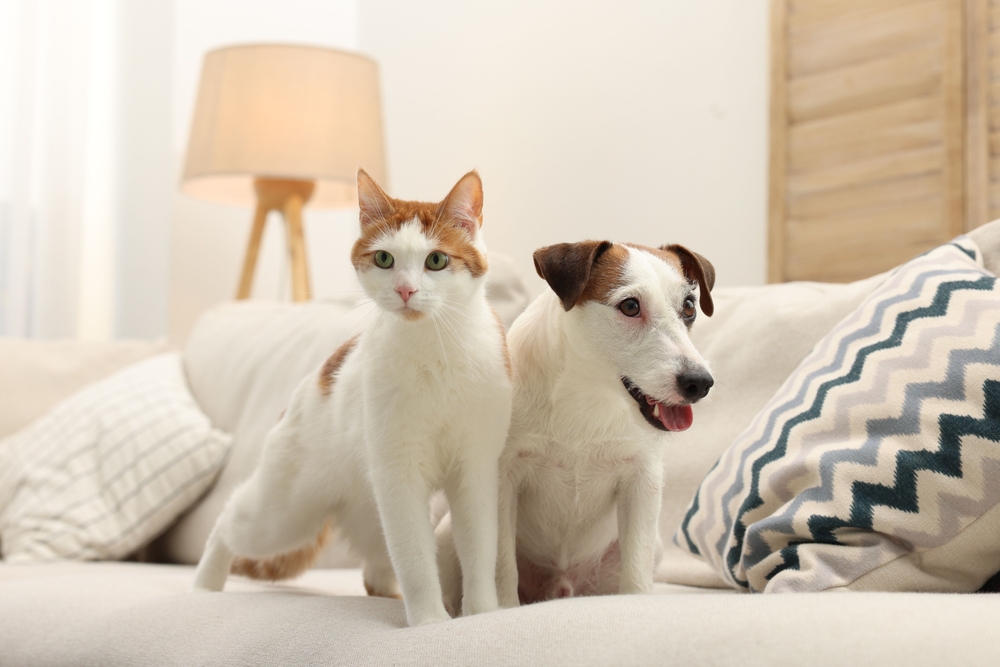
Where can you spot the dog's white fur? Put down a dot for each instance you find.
(418, 405)
(582, 468)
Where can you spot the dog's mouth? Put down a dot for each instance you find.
(660, 415)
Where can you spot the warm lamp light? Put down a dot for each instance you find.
(276, 126)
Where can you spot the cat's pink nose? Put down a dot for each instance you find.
(405, 291)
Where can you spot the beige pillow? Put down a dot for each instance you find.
(756, 338)
(107, 469)
(874, 465)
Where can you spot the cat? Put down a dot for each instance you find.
(419, 401)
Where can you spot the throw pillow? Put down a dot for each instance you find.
(876, 466)
(109, 468)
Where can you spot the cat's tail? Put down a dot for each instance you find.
(283, 566)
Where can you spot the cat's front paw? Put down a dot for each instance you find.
(480, 605)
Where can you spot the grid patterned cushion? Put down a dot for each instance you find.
(876, 466)
(107, 469)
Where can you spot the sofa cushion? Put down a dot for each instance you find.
(120, 614)
(875, 466)
(108, 468)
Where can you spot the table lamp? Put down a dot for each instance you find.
(276, 126)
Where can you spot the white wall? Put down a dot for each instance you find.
(640, 121)
(142, 271)
(208, 241)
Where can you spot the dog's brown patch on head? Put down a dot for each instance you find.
(696, 269)
(453, 222)
(692, 266)
(503, 343)
(606, 275)
(670, 258)
(328, 374)
(283, 566)
(566, 267)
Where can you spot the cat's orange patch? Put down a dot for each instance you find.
(283, 566)
(328, 374)
(452, 240)
(372, 592)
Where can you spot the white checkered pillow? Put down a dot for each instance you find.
(108, 469)
(876, 466)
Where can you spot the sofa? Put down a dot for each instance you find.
(242, 362)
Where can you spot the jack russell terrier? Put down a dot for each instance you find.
(603, 369)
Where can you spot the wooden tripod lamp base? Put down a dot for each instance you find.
(286, 196)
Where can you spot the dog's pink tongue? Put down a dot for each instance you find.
(676, 417)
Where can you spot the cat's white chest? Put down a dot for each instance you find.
(426, 397)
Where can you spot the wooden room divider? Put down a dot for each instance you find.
(884, 131)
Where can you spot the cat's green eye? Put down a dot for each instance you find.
(383, 259)
(436, 261)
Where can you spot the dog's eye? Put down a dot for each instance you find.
(630, 307)
(689, 311)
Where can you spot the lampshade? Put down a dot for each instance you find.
(284, 112)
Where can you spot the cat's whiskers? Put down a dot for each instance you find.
(362, 302)
(452, 328)
(437, 331)
(366, 318)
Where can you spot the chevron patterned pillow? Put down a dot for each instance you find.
(876, 466)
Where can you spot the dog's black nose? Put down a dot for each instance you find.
(694, 385)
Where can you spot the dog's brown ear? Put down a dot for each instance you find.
(697, 268)
(566, 267)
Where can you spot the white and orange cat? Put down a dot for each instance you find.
(419, 401)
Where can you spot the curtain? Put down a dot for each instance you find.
(57, 173)
(85, 167)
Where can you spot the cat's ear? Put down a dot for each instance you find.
(566, 267)
(374, 202)
(463, 207)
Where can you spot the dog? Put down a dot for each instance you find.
(603, 369)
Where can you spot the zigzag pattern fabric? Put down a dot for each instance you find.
(876, 466)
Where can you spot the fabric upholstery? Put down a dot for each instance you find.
(108, 468)
(878, 452)
(113, 615)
